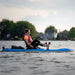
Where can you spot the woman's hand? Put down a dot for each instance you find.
(31, 46)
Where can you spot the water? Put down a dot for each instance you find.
(21, 63)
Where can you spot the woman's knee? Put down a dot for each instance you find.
(37, 40)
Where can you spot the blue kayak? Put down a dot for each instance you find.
(36, 50)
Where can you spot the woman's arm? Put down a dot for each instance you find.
(28, 43)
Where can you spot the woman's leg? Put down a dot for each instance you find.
(35, 43)
(16, 47)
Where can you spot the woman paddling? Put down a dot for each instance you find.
(32, 44)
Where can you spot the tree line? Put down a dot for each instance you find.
(15, 30)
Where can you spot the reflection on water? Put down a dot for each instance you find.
(21, 63)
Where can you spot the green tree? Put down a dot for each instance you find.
(52, 28)
(21, 25)
(71, 33)
(6, 27)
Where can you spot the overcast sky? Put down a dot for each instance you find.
(41, 13)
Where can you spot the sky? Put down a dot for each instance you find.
(41, 13)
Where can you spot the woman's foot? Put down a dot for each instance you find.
(48, 45)
(45, 42)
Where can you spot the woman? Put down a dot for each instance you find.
(32, 44)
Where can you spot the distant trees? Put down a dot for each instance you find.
(11, 30)
(15, 29)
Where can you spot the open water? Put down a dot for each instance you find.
(54, 63)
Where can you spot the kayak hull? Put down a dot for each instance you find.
(36, 50)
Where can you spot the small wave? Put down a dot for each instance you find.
(55, 61)
(33, 67)
(40, 72)
(5, 71)
(67, 66)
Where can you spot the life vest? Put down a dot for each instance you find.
(28, 37)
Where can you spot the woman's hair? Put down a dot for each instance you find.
(26, 30)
